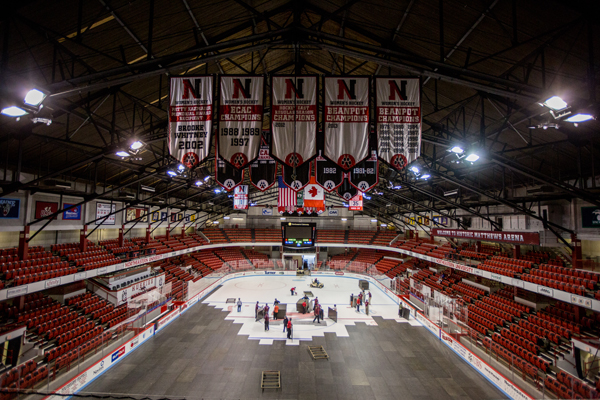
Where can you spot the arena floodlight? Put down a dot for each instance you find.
(171, 173)
(136, 145)
(199, 183)
(383, 225)
(414, 169)
(216, 222)
(457, 150)
(226, 217)
(472, 157)
(13, 111)
(555, 103)
(122, 153)
(579, 118)
(426, 176)
(344, 219)
(373, 220)
(34, 97)
(217, 190)
(181, 168)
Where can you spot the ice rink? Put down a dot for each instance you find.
(266, 288)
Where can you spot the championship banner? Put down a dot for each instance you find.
(328, 174)
(294, 118)
(398, 125)
(240, 197)
(356, 203)
(346, 120)
(226, 175)
(300, 179)
(190, 118)
(45, 208)
(365, 175)
(346, 191)
(240, 118)
(263, 171)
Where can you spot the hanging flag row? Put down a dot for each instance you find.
(294, 118)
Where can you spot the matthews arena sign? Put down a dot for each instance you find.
(505, 237)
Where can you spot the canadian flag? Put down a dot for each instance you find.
(314, 195)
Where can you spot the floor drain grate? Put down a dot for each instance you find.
(230, 300)
(271, 380)
(318, 353)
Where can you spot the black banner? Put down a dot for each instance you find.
(346, 191)
(300, 179)
(329, 175)
(263, 171)
(590, 217)
(365, 175)
(226, 175)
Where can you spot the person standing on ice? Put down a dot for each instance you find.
(239, 304)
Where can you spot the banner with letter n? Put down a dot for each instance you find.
(240, 197)
(346, 119)
(240, 118)
(365, 175)
(226, 175)
(328, 174)
(263, 171)
(294, 119)
(296, 178)
(190, 118)
(346, 191)
(398, 125)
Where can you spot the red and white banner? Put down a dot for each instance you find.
(190, 118)
(398, 125)
(356, 203)
(44, 209)
(294, 119)
(240, 197)
(346, 120)
(240, 118)
(314, 195)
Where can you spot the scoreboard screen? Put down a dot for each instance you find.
(297, 234)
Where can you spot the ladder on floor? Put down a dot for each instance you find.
(318, 353)
(270, 380)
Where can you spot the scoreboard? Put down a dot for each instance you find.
(298, 234)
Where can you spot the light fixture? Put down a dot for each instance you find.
(206, 178)
(252, 204)
(579, 118)
(383, 225)
(181, 168)
(171, 173)
(199, 183)
(237, 219)
(38, 120)
(136, 145)
(216, 222)
(217, 190)
(148, 188)
(457, 150)
(13, 111)
(345, 204)
(414, 169)
(426, 176)
(122, 153)
(555, 103)
(226, 217)
(373, 220)
(282, 218)
(472, 157)
(451, 193)
(366, 197)
(34, 97)
(344, 219)
(397, 187)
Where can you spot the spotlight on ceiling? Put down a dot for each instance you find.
(555, 103)
(217, 190)
(457, 150)
(34, 97)
(579, 118)
(122, 153)
(136, 145)
(425, 176)
(472, 157)
(171, 173)
(181, 168)
(199, 183)
(13, 111)
(414, 169)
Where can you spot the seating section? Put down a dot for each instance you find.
(331, 236)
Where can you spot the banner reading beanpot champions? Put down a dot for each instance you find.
(398, 111)
(190, 119)
(240, 118)
(346, 120)
(294, 118)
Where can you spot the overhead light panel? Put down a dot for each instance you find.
(147, 188)
(451, 193)
(373, 220)
(555, 103)
(383, 225)
(13, 111)
(217, 190)
(216, 222)
(344, 219)
(181, 168)
(579, 118)
(171, 173)
(426, 176)
(457, 150)
(472, 157)
(226, 217)
(199, 183)
(237, 219)
(122, 153)
(136, 145)
(414, 169)
(34, 97)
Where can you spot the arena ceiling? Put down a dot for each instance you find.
(485, 66)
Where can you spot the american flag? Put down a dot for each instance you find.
(287, 198)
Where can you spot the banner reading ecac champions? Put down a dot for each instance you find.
(190, 119)
(346, 120)
(398, 125)
(240, 118)
(294, 118)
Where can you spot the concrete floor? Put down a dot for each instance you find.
(202, 356)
